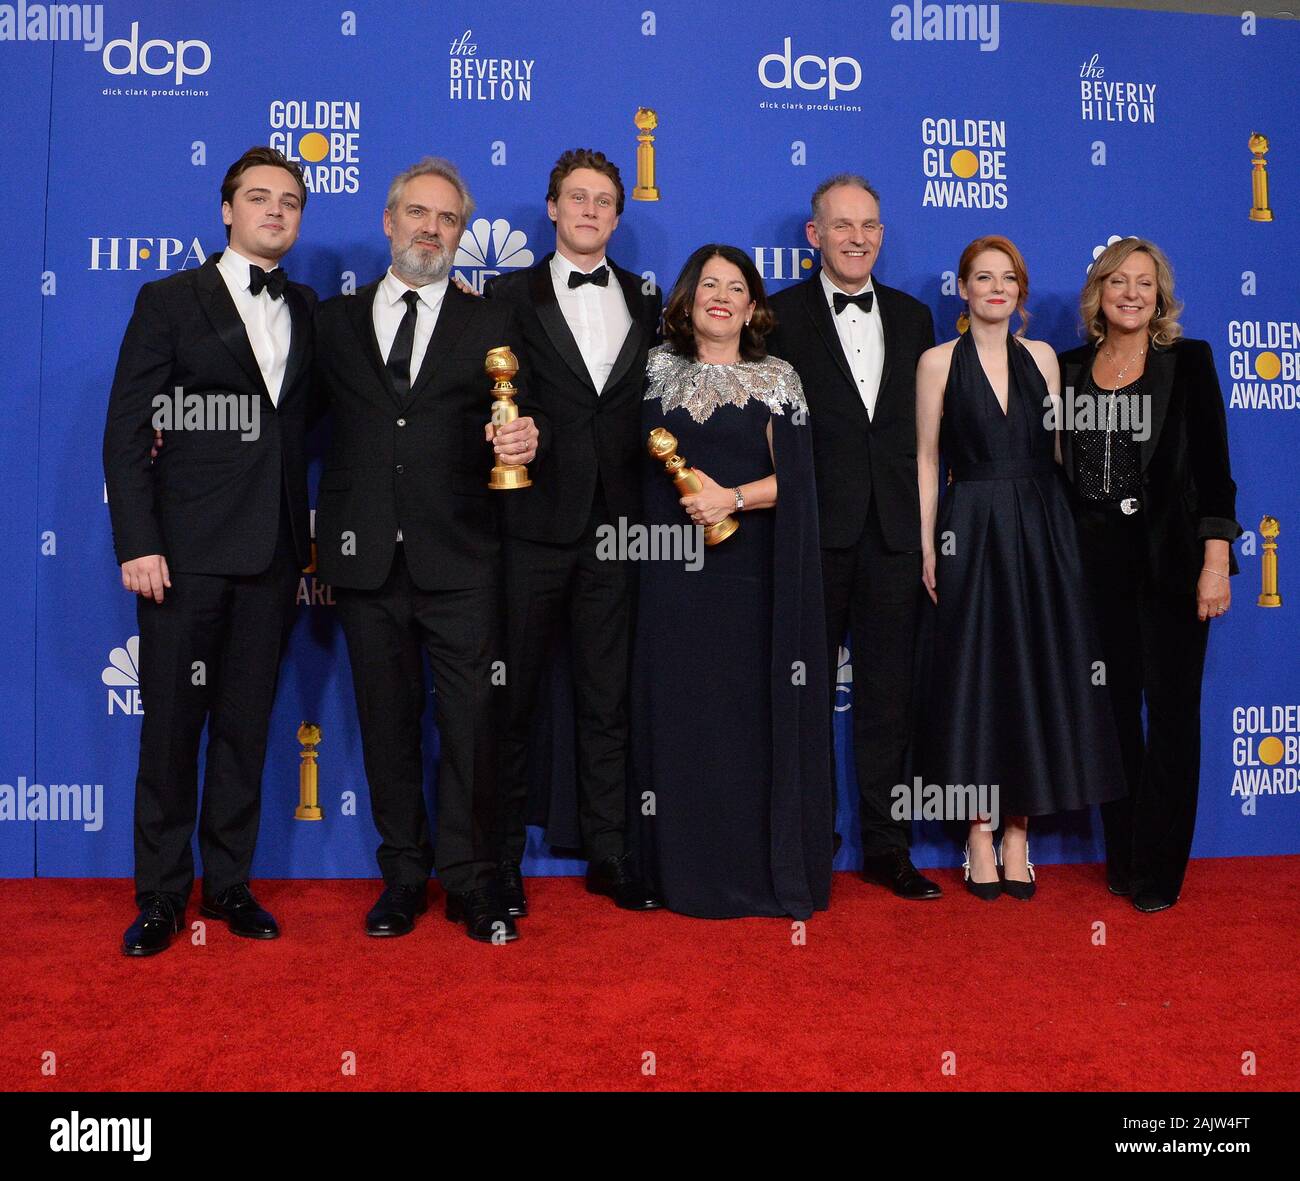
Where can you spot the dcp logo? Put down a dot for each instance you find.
(809, 72)
(156, 57)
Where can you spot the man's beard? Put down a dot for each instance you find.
(425, 266)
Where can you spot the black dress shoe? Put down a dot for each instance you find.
(1148, 901)
(154, 926)
(612, 878)
(394, 913)
(1118, 882)
(484, 916)
(510, 889)
(241, 913)
(896, 871)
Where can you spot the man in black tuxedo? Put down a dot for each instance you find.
(407, 533)
(586, 326)
(211, 536)
(855, 344)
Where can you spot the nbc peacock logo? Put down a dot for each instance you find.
(122, 676)
(487, 248)
(843, 681)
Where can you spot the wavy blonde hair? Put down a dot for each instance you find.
(1164, 328)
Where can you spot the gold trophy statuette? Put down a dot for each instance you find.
(1268, 594)
(662, 445)
(1259, 210)
(308, 805)
(501, 365)
(646, 121)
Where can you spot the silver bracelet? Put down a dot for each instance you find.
(1215, 573)
(740, 500)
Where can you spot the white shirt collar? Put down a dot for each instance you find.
(830, 289)
(562, 268)
(237, 267)
(430, 294)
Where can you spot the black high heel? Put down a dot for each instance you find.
(1020, 891)
(984, 891)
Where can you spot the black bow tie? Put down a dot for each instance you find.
(842, 301)
(274, 281)
(600, 276)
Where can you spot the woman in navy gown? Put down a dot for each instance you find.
(1015, 698)
(730, 691)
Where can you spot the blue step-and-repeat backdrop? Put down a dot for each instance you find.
(1060, 127)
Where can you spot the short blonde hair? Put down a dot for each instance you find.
(1164, 328)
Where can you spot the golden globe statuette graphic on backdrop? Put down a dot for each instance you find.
(501, 365)
(1268, 594)
(308, 801)
(646, 121)
(662, 445)
(1259, 210)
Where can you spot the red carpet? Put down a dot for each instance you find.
(1018, 992)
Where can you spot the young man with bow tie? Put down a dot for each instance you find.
(211, 536)
(586, 325)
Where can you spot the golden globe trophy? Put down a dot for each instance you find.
(308, 803)
(1259, 210)
(662, 445)
(646, 121)
(1268, 594)
(501, 365)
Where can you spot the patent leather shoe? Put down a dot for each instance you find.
(612, 878)
(394, 913)
(240, 911)
(152, 931)
(484, 916)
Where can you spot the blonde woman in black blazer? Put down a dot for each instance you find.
(1155, 504)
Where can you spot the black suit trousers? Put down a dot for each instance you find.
(386, 631)
(873, 594)
(547, 585)
(209, 652)
(1154, 648)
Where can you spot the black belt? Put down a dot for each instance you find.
(1128, 506)
(1004, 469)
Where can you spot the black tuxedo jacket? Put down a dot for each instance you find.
(419, 463)
(210, 502)
(1188, 493)
(858, 456)
(597, 434)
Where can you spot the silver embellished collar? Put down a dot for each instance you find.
(682, 384)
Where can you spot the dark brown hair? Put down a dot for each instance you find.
(679, 332)
(251, 159)
(576, 158)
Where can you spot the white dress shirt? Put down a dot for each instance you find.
(267, 321)
(387, 314)
(597, 316)
(389, 309)
(862, 335)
